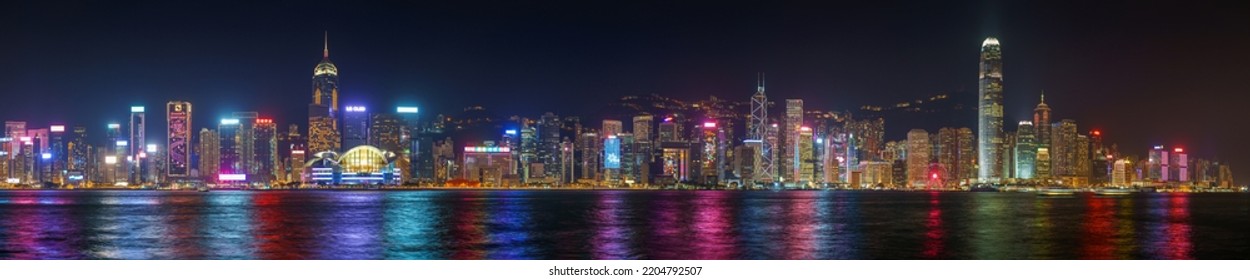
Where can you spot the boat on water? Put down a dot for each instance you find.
(1056, 191)
(1113, 191)
(202, 189)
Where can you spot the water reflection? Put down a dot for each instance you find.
(611, 238)
(411, 225)
(934, 233)
(612, 225)
(510, 227)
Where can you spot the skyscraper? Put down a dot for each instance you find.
(245, 139)
(1063, 149)
(386, 133)
(323, 134)
(918, 151)
(230, 167)
(757, 130)
(549, 152)
(1025, 150)
(990, 112)
(1041, 123)
(265, 160)
(178, 139)
(136, 144)
(355, 127)
(210, 155)
(794, 122)
(611, 128)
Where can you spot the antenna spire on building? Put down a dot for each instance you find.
(325, 51)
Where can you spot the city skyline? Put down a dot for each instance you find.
(1198, 138)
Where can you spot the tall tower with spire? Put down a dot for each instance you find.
(323, 133)
(1041, 121)
(757, 131)
(990, 112)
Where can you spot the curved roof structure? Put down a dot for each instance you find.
(365, 158)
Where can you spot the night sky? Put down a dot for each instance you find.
(1175, 74)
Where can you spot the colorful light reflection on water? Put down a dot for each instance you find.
(617, 225)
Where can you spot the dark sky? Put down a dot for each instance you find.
(1172, 73)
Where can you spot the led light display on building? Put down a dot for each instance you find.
(178, 115)
(612, 153)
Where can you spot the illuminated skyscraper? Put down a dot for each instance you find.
(611, 127)
(323, 133)
(78, 160)
(804, 168)
(1041, 123)
(386, 133)
(643, 148)
(265, 160)
(137, 140)
(918, 151)
(1063, 149)
(246, 140)
(1025, 150)
(990, 112)
(355, 127)
(178, 139)
(210, 155)
(231, 166)
(642, 127)
(1100, 159)
(411, 140)
(794, 121)
(1179, 166)
(757, 130)
(549, 151)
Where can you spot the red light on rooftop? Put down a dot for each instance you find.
(264, 120)
(1097, 132)
(1178, 150)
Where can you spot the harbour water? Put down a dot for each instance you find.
(606, 224)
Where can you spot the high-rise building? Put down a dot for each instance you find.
(804, 170)
(245, 140)
(1081, 164)
(410, 132)
(990, 112)
(1063, 149)
(78, 160)
(293, 148)
(386, 133)
(611, 128)
(323, 133)
(643, 148)
(757, 130)
(265, 160)
(178, 139)
(642, 127)
(1025, 150)
(57, 150)
(1179, 166)
(918, 152)
(1041, 124)
(794, 122)
(355, 127)
(589, 148)
(230, 167)
(137, 140)
(1120, 173)
(709, 155)
(549, 151)
(967, 155)
(1100, 159)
